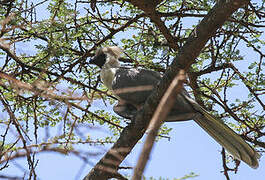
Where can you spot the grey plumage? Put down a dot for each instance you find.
(133, 86)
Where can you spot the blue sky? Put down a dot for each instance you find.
(189, 150)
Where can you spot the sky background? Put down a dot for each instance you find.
(190, 149)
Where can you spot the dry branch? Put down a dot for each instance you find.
(161, 113)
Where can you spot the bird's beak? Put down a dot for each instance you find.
(92, 61)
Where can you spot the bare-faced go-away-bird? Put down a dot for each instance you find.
(132, 86)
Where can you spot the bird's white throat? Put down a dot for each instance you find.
(107, 75)
(108, 71)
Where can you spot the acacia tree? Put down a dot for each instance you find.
(46, 81)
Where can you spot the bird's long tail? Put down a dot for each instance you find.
(225, 136)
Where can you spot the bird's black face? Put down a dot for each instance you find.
(99, 59)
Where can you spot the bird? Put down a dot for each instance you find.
(132, 86)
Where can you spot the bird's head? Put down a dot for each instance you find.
(107, 56)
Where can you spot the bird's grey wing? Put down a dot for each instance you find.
(134, 85)
(225, 136)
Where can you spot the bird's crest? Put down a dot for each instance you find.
(113, 50)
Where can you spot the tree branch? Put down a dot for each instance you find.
(160, 114)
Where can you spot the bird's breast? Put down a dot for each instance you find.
(107, 76)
